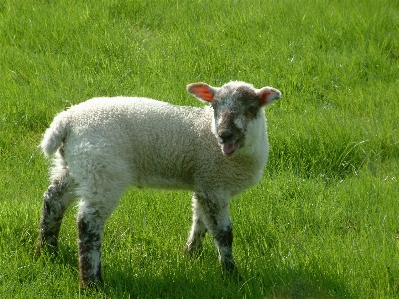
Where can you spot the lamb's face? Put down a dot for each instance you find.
(237, 108)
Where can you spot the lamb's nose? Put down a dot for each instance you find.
(225, 135)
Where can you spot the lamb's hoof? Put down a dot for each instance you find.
(233, 275)
(191, 251)
(231, 272)
(91, 285)
(44, 247)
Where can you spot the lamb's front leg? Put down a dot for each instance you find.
(198, 229)
(215, 216)
(224, 242)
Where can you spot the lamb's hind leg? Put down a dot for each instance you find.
(198, 230)
(92, 215)
(57, 198)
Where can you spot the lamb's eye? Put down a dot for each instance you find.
(252, 110)
(214, 105)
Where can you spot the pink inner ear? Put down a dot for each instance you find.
(203, 93)
(263, 97)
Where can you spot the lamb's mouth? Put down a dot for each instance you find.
(231, 148)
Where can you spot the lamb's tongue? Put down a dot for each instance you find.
(228, 148)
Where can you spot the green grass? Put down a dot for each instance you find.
(323, 222)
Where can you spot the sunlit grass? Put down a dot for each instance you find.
(323, 221)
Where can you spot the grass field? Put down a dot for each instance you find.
(323, 223)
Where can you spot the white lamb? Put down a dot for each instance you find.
(104, 145)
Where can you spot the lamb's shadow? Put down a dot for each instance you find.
(195, 281)
(177, 284)
(301, 285)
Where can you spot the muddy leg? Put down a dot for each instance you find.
(224, 243)
(91, 221)
(198, 230)
(57, 199)
(215, 215)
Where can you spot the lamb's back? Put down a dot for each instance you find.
(158, 141)
(155, 144)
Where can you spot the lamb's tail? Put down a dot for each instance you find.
(55, 135)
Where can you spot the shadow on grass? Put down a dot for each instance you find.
(208, 283)
(202, 278)
(304, 283)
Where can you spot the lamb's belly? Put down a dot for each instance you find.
(160, 182)
(163, 170)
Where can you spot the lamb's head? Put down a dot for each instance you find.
(236, 106)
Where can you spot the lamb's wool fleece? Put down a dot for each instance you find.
(106, 144)
(115, 142)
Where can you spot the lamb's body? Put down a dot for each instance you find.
(148, 143)
(107, 144)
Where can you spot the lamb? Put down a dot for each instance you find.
(104, 145)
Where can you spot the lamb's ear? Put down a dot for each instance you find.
(202, 91)
(267, 95)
